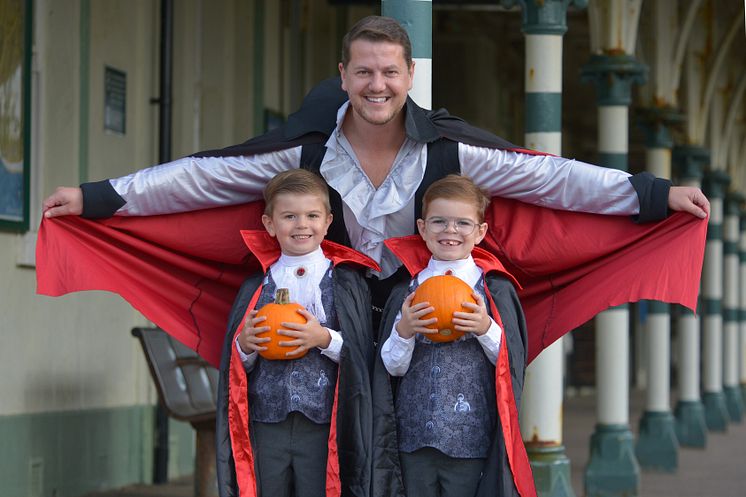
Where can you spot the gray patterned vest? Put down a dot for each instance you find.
(446, 400)
(306, 385)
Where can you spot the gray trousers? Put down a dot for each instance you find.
(428, 472)
(290, 457)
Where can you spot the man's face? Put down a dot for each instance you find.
(377, 80)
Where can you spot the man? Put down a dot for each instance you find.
(372, 148)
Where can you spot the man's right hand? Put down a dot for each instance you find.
(64, 201)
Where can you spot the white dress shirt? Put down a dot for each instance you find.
(396, 351)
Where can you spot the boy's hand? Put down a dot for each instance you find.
(477, 321)
(307, 336)
(247, 340)
(411, 321)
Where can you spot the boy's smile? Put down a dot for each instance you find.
(451, 229)
(299, 222)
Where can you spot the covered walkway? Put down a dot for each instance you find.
(717, 471)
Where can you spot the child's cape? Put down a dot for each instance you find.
(348, 457)
(507, 471)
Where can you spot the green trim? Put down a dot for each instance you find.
(78, 452)
(712, 306)
(714, 231)
(730, 248)
(656, 307)
(716, 412)
(691, 428)
(547, 17)
(612, 468)
(690, 160)
(543, 112)
(551, 470)
(84, 91)
(28, 37)
(715, 183)
(258, 69)
(614, 76)
(734, 403)
(613, 160)
(417, 18)
(731, 315)
(733, 202)
(657, 448)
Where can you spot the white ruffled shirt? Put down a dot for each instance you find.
(304, 290)
(396, 351)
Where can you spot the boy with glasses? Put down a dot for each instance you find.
(434, 403)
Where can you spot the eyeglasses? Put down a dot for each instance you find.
(440, 224)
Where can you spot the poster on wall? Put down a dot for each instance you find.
(15, 57)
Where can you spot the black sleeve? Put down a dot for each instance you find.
(100, 200)
(653, 195)
(226, 468)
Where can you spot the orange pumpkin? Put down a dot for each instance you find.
(278, 312)
(446, 294)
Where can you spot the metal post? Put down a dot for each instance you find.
(731, 234)
(657, 446)
(691, 429)
(613, 469)
(544, 24)
(716, 413)
(417, 18)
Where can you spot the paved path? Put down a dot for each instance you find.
(717, 471)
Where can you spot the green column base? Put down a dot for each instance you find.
(734, 403)
(657, 447)
(716, 413)
(743, 393)
(551, 469)
(612, 470)
(691, 428)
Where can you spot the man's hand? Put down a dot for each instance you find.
(248, 339)
(307, 336)
(411, 321)
(477, 321)
(689, 199)
(63, 202)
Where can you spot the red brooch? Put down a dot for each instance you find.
(448, 272)
(300, 272)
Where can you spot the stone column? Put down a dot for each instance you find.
(417, 18)
(613, 469)
(691, 429)
(731, 235)
(657, 447)
(716, 413)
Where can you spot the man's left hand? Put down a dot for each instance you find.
(689, 199)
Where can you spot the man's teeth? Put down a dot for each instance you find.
(378, 100)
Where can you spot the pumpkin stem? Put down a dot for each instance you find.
(282, 296)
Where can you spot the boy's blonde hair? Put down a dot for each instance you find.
(298, 182)
(455, 187)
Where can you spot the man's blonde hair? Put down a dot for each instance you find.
(297, 182)
(455, 187)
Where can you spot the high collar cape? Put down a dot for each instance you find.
(183, 270)
(509, 370)
(238, 477)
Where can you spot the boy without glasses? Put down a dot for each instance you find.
(442, 411)
(286, 430)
